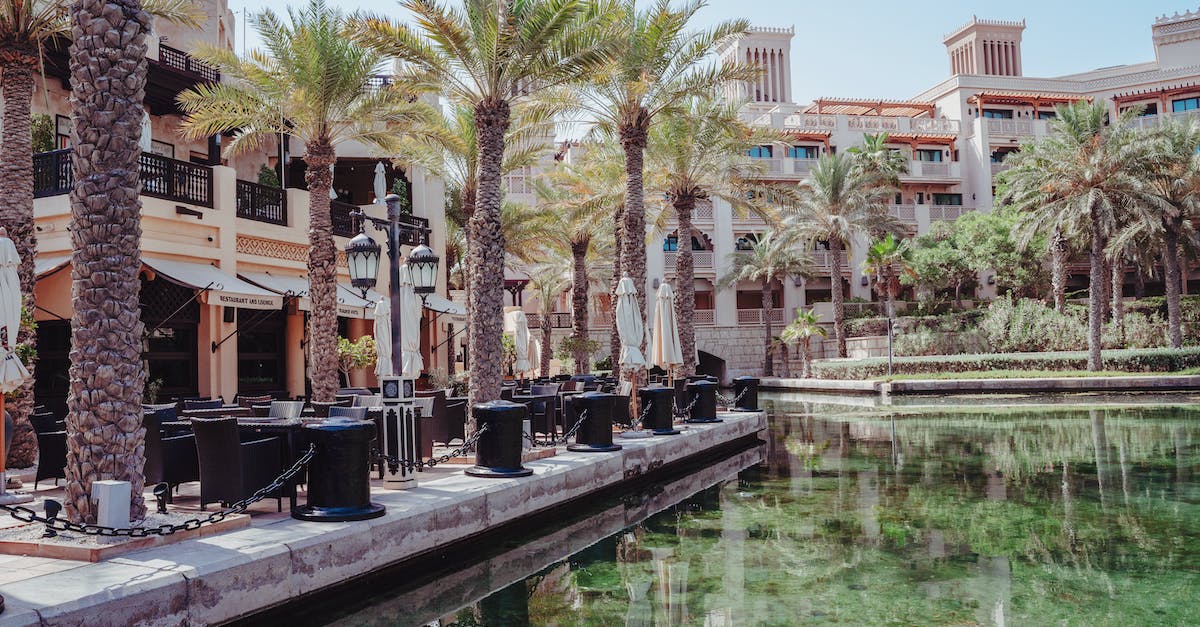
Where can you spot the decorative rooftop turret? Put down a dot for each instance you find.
(1177, 39)
(991, 47)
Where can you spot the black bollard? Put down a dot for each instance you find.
(498, 452)
(745, 393)
(702, 397)
(595, 434)
(661, 417)
(339, 485)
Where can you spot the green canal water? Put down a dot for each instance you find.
(991, 511)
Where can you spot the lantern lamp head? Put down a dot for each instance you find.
(423, 264)
(362, 257)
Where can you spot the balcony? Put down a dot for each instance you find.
(700, 259)
(414, 230)
(1152, 121)
(184, 62)
(829, 123)
(703, 318)
(755, 316)
(947, 213)
(261, 203)
(558, 320)
(1015, 128)
(904, 213)
(169, 179)
(933, 169)
(777, 167)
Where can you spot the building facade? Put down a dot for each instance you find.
(955, 134)
(224, 248)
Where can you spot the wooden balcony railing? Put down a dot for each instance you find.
(700, 259)
(755, 316)
(261, 203)
(417, 231)
(704, 318)
(161, 177)
(558, 320)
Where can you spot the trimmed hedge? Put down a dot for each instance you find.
(1133, 361)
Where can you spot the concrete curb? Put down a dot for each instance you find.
(1132, 383)
(220, 578)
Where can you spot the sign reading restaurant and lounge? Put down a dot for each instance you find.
(241, 300)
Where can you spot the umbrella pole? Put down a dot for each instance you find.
(3, 457)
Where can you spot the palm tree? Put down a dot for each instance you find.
(492, 55)
(1176, 184)
(548, 281)
(699, 153)
(1089, 176)
(657, 67)
(875, 158)
(838, 201)
(803, 329)
(886, 260)
(769, 258)
(104, 422)
(314, 83)
(26, 28)
(574, 202)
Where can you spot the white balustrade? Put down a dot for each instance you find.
(755, 316)
(904, 213)
(704, 317)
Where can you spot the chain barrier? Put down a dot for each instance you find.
(565, 436)
(730, 402)
(637, 424)
(686, 411)
(395, 463)
(24, 514)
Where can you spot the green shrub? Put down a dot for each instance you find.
(925, 342)
(1141, 331)
(864, 327)
(1138, 360)
(1026, 325)
(268, 176)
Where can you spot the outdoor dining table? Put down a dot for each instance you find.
(290, 432)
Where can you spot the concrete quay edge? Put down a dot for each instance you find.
(1132, 383)
(222, 577)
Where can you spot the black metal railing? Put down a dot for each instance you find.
(558, 320)
(261, 203)
(176, 180)
(416, 229)
(162, 177)
(184, 62)
(52, 173)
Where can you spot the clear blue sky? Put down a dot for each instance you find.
(893, 48)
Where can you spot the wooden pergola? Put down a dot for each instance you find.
(861, 106)
(912, 140)
(1026, 98)
(811, 136)
(1161, 94)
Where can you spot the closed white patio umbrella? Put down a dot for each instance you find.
(535, 354)
(380, 183)
(410, 326)
(665, 351)
(12, 371)
(629, 326)
(383, 338)
(517, 325)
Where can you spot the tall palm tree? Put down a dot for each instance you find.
(1176, 184)
(658, 64)
(838, 201)
(699, 153)
(769, 258)
(313, 82)
(492, 55)
(1088, 175)
(803, 329)
(575, 202)
(875, 158)
(26, 28)
(104, 422)
(886, 260)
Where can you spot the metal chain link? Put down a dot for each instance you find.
(394, 463)
(637, 424)
(25, 514)
(565, 436)
(686, 411)
(730, 402)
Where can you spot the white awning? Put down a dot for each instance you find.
(219, 287)
(350, 304)
(45, 265)
(441, 304)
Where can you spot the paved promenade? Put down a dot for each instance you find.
(219, 578)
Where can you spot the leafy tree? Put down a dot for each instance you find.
(988, 242)
(360, 353)
(548, 282)
(313, 82)
(938, 262)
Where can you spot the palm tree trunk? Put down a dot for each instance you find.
(768, 358)
(685, 297)
(806, 358)
(579, 304)
(835, 284)
(1118, 304)
(633, 246)
(891, 297)
(16, 214)
(785, 368)
(487, 256)
(547, 352)
(1170, 258)
(614, 339)
(470, 189)
(322, 274)
(1096, 282)
(1106, 288)
(1139, 281)
(1058, 269)
(105, 438)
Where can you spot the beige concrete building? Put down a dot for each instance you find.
(224, 293)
